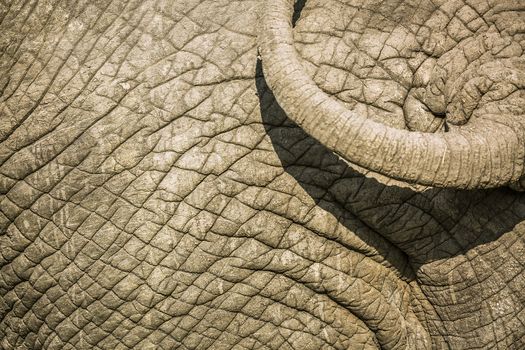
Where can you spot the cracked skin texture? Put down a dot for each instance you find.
(155, 196)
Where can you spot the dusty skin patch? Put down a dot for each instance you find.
(153, 194)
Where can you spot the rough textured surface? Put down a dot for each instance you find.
(155, 196)
(487, 151)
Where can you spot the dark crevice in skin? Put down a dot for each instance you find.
(440, 115)
(298, 7)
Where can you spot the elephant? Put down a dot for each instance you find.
(262, 174)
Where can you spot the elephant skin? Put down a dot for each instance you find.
(155, 195)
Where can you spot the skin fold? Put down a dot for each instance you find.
(154, 194)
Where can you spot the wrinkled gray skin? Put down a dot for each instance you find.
(155, 196)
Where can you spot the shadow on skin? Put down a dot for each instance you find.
(426, 226)
(298, 7)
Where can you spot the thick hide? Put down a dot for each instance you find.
(155, 195)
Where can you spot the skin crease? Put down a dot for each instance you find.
(153, 194)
